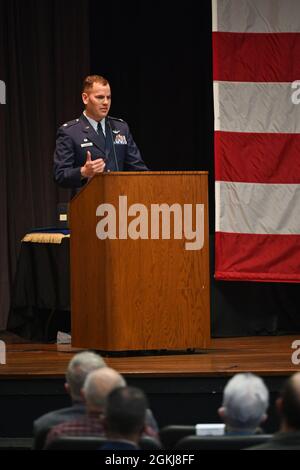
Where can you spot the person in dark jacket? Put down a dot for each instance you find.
(288, 407)
(124, 418)
(78, 369)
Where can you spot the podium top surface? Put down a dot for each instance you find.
(150, 173)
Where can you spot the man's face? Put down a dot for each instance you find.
(97, 101)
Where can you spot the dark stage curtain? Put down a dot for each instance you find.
(44, 53)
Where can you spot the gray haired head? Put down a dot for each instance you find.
(245, 401)
(78, 368)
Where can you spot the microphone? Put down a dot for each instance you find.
(112, 141)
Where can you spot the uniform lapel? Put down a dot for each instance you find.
(97, 139)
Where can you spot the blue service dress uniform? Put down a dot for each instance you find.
(76, 137)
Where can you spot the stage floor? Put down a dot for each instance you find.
(265, 356)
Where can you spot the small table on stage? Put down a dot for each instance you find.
(40, 302)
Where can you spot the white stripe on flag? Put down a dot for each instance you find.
(217, 206)
(258, 208)
(214, 13)
(256, 107)
(256, 16)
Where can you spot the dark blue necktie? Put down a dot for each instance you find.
(106, 141)
(100, 130)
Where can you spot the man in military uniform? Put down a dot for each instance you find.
(95, 142)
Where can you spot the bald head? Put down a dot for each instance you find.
(295, 380)
(290, 402)
(99, 384)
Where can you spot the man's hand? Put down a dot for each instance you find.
(92, 167)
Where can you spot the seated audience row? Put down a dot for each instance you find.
(103, 406)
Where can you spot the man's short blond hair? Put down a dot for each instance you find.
(90, 80)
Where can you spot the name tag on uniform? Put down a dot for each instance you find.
(87, 144)
(120, 139)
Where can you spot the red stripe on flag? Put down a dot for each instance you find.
(256, 57)
(257, 158)
(251, 257)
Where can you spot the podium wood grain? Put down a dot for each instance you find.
(138, 294)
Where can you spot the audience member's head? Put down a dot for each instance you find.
(79, 367)
(288, 404)
(245, 402)
(98, 386)
(125, 414)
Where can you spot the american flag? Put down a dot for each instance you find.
(256, 70)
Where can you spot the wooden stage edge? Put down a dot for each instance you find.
(263, 355)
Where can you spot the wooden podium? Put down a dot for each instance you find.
(139, 294)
